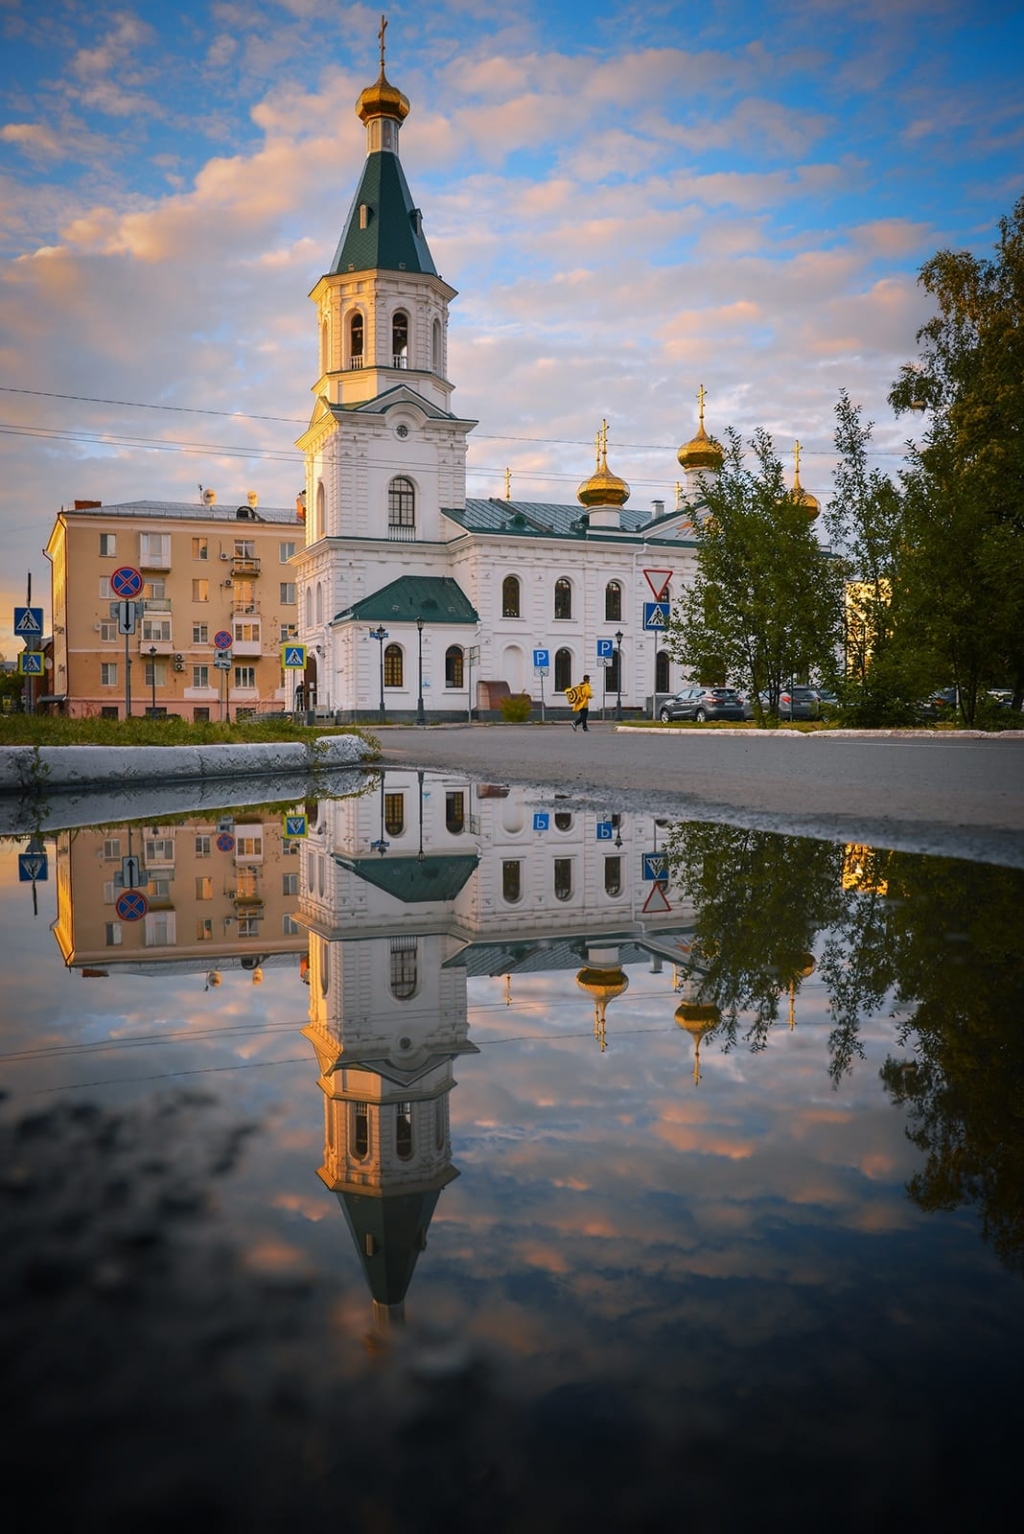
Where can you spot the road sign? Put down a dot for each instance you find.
(295, 825)
(541, 660)
(131, 873)
(604, 830)
(127, 616)
(473, 655)
(30, 663)
(658, 581)
(225, 843)
(222, 660)
(222, 640)
(33, 867)
(293, 657)
(657, 901)
(606, 649)
(541, 820)
(656, 615)
(126, 581)
(28, 622)
(655, 867)
(132, 905)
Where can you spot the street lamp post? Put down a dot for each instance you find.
(380, 634)
(421, 717)
(419, 781)
(152, 678)
(618, 673)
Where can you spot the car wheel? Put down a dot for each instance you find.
(664, 716)
(700, 716)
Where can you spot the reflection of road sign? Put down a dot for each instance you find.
(222, 660)
(132, 905)
(541, 659)
(32, 866)
(30, 662)
(657, 900)
(606, 649)
(225, 843)
(604, 830)
(295, 825)
(655, 615)
(293, 657)
(222, 640)
(126, 581)
(127, 616)
(540, 820)
(656, 867)
(658, 581)
(28, 622)
(131, 873)
(473, 655)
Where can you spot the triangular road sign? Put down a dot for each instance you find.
(657, 901)
(658, 581)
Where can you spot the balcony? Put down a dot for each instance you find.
(156, 604)
(244, 564)
(357, 362)
(247, 647)
(400, 360)
(251, 609)
(161, 647)
(401, 534)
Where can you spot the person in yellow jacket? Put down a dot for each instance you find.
(578, 699)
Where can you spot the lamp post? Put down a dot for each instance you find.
(419, 781)
(618, 674)
(152, 678)
(380, 634)
(421, 717)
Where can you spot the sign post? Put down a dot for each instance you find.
(473, 659)
(126, 583)
(222, 661)
(656, 616)
(541, 665)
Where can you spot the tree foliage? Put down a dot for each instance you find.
(765, 604)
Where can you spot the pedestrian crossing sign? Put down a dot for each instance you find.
(28, 622)
(293, 657)
(30, 662)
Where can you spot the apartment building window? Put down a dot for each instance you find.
(248, 926)
(288, 597)
(108, 545)
(289, 884)
(203, 846)
(154, 591)
(200, 548)
(201, 716)
(245, 594)
(108, 633)
(245, 676)
(201, 590)
(204, 929)
(156, 673)
(156, 629)
(250, 845)
(109, 713)
(245, 548)
(108, 673)
(394, 814)
(158, 851)
(110, 892)
(247, 633)
(200, 676)
(286, 551)
(155, 549)
(204, 887)
(112, 849)
(105, 591)
(200, 633)
(289, 631)
(289, 926)
(160, 929)
(113, 934)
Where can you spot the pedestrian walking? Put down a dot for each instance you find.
(578, 699)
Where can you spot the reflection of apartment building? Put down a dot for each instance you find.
(206, 570)
(206, 908)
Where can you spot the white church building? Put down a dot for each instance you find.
(413, 599)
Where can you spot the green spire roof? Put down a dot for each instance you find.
(393, 239)
(434, 598)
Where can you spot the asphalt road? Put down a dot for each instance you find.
(927, 793)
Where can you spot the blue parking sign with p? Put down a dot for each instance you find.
(541, 659)
(604, 830)
(540, 820)
(606, 649)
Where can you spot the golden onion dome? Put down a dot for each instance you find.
(603, 488)
(800, 496)
(382, 99)
(701, 452)
(603, 984)
(696, 1019)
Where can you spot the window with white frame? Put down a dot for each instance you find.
(158, 851)
(155, 549)
(156, 673)
(111, 848)
(204, 929)
(289, 884)
(108, 673)
(154, 591)
(248, 926)
(201, 590)
(200, 676)
(289, 926)
(245, 676)
(200, 548)
(108, 545)
(203, 846)
(285, 551)
(248, 844)
(161, 929)
(156, 630)
(200, 633)
(113, 934)
(105, 591)
(204, 887)
(247, 632)
(108, 633)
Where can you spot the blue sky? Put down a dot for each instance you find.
(631, 202)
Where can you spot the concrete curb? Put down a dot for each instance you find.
(699, 734)
(44, 769)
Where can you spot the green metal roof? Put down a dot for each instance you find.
(392, 239)
(389, 1234)
(434, 598)
(413, 882)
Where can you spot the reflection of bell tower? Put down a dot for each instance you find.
(697, 1018)
(604, 979)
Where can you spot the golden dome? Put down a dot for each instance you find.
(603, 488)
(603, 984)
(697, 1020)
(382, 99)
(798, 494)
(701, 452)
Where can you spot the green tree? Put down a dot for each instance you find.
(963, 563)
(765, 605)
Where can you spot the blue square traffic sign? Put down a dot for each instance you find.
(541, 659)
(32, 866)
(540, 820)
(604, 830)
(656, 867)
(28, 622)
(656, 615)
(606, 649)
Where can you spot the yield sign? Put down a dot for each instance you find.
(658, 581)
(657, 901)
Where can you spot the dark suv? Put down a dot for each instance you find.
(701, 703)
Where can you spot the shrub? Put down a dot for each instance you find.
(515, 709)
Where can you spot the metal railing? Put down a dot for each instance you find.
(400, 532)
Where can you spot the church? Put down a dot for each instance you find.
(414, 601)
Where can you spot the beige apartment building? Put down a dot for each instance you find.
(207, 570)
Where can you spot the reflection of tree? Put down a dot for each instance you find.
(759, 900)
(956, 935)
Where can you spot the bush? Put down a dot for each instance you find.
(515, 709)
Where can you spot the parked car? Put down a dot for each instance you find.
(798, 703)
(940, 704)
(702, 703)
(828, 701)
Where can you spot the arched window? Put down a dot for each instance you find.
(309, 607)
(324, 347)
(613, 602)
(453, 666)
(393, 666)
(325, 963)
(563, 878)
(435, 347)
(360, 1131)
(400, 339)
(512, 880)
(510, 597)
(439, 1123)
(613, 876)
(403, 1131)
(563, 821)
(319, 602)
(394, 814)
(401, 502)
(662, 682)
(321, 510)
(403, 974)
(455, 811)
(355, 340)
(563, 670)
(563, 598)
